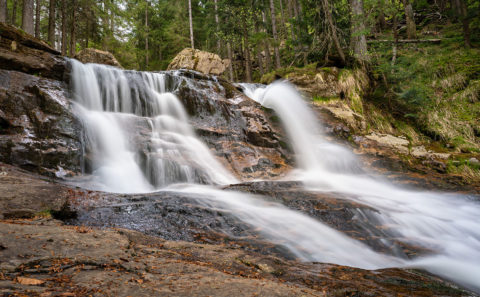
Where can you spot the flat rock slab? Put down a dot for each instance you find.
(24, 195)
(44, 258)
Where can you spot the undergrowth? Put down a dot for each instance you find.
(436, 87)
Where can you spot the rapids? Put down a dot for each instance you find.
(165, 155)
(447, 224)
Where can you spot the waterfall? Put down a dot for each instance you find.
(137, 136)
(444, 223)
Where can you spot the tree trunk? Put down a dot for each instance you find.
(333, 28)
(463, 15)
(268, 59)
(395, 38)
(411, 27)
(38, 6)
(14, 12)
(275, 37)
(291, 15)
(259, 52)
(112, 20)
(248, 60)
(382, 23)
(282, 15)
(87, 33)
(105, 25)
(27, 17)
(217, 22)
(3, 11)
(146, 36)
(64, 27)
(51, 23)
(230, 57)
(358, 39)
(191, 23)
(73, 28)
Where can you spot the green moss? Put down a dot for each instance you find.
(324, 99)
(47, 213)
(434, 87)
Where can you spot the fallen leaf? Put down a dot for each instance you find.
(29, 281)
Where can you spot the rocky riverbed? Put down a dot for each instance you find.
(61, 240)
(42, 256)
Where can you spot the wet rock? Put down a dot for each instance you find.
(91, 55)
(22, 52)
(204, 62)
(39, 131)
(236, 128)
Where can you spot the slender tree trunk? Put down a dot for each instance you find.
(333, 28)
(14, 12)
(191, 23)
(105, 25)
(3, 11)
(411, 27)
(38, 7)
(73, 28)
(27, 17)
(112, 20)
(260, 62)
(282, 15)
(64, 27)
(358, 39)
(230, 57)
(382, 23)
(217, 22)
(87, 33)
(395, 38)
(146, 36)
(268, 59)
(51, 23)
(259, 53)
(248, 59)
(291, 15)
(463, 14)
(275, 36)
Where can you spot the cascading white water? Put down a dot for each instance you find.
(138, 139)
(446, 224)
(117, 106)
(305, 237)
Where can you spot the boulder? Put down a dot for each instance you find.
(91, 55)
(246, 137)
(204, 62)
(22, 52)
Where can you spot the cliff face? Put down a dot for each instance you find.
(40, 132)
(37, 128)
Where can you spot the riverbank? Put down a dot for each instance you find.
(41, 256)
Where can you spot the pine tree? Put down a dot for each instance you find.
(27, 17)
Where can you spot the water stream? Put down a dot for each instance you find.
(137, 138)
(444, 223)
